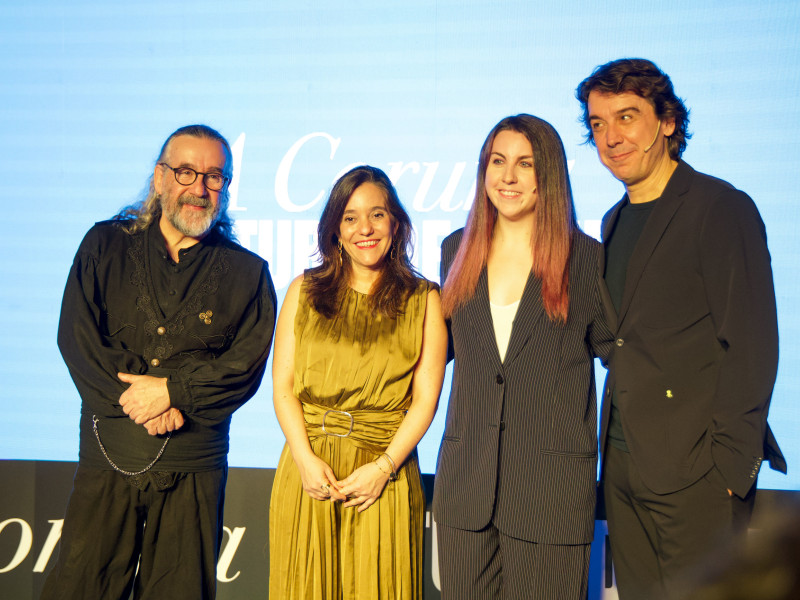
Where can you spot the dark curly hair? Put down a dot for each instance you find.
(645, 79)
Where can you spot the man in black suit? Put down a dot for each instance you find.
(684, 420)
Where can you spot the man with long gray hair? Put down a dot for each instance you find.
(165, 327)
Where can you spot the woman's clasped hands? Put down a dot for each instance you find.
(361, 488)
(319, 481)
(364, 486)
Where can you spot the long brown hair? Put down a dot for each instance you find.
(554, 222)
(328, 282)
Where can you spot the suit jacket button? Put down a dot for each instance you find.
(619, 342)
(155, 362)
(161, 330)
(499, 379)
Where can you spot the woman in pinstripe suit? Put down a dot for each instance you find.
(515, 484)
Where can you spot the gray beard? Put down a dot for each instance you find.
(196, 226)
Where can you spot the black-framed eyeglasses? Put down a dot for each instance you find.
(186, 176)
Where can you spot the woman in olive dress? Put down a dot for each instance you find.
(359, 358)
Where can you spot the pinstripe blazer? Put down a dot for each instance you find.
(520, 440)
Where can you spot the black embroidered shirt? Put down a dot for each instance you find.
(204, 323)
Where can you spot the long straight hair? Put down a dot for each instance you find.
(328, 282)
(554, 222)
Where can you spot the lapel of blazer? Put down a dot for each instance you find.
(477, 313)
(605, 296)
(665, 208)
(529, 311)
(609, 222)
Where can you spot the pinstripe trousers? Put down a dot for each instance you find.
(489, 565)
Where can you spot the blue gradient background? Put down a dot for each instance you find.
(89, 91)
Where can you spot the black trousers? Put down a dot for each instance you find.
(659, 542)
(489, 565)
(167, 524)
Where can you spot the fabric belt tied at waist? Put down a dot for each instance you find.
(368, 429)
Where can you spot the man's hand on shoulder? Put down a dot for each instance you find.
(145, 399)
(171, 420)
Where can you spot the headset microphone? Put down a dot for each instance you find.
(654, 139)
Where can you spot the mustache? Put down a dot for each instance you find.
(194, 201)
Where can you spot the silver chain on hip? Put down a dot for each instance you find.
(95, 420)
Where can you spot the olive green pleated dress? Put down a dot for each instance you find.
(361, 364)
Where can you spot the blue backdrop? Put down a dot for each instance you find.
(303, 90)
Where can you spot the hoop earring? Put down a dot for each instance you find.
(392, 253)
(340, 253)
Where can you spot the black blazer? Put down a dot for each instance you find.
(696, 348)
(520, 439)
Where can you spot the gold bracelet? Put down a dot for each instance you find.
(391, 462)
(392, 474)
